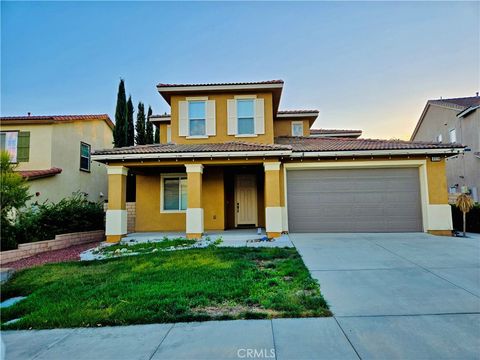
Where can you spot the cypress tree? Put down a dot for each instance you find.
(119, 135)
(149, 128)
(156, 136)
(130, 130)
(140, 125)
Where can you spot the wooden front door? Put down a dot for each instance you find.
(246, 200)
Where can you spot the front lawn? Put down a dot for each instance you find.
(184, 285)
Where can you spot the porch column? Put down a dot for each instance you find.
(194, 224)
(273, 210)
(116, 226)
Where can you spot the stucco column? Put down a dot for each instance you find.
(273, 209)
(116, 226)
(439, 211)
(194, 216)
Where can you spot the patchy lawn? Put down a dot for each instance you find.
(184, 285)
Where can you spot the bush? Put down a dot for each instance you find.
(473, 219)
(44, 221)
(13, 196)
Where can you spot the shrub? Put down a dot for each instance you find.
(44, 221)
(473, 219)
(13, 196)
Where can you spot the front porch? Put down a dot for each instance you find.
(196, 199)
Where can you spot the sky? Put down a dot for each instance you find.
(363, 65)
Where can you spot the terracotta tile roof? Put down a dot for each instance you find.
(59, 118)
(304, 144)
(333, 131)
(296, 111)
(36, 174)
(233, 146)
(225, 84)
(461, 103)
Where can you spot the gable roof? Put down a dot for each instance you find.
(464, 105)
(460, 103)
(50, 119)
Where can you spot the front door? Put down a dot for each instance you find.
(245, 200)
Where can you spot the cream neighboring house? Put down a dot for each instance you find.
(53, 153)
(230, 158)
(455, 121)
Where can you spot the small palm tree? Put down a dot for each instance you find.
(465, 204)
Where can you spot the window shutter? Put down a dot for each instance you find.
(210, 117)
(232, 117)
(183, 118)
(259, 116)
(23, 146)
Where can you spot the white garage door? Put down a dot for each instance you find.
(354, 200)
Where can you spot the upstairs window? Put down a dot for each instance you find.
(84, 157)
(453, 135)
(245, 117)
(196, 118)
(17, 144)
(174, 193)
(297, 128)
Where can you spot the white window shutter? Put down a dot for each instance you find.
(259, 116)
(183, 118)
(210, 117)
(232, 116)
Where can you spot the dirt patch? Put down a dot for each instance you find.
(234, 311)
(71, 253)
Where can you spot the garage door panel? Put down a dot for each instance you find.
(354, 200)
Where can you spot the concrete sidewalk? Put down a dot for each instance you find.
(404, 337)
(313, 338)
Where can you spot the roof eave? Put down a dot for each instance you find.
(190, 155)
(390, 152)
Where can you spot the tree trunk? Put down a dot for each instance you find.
(464, 223)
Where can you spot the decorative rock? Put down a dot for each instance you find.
(11, 301)
(11, 321)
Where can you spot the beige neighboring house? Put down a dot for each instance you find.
(53, 153)
(455, 121)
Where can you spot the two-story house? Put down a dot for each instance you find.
(455, 121)
(229, 158)
(54, 153)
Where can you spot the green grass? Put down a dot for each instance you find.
(184, 285)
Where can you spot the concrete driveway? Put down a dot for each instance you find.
(408, 295)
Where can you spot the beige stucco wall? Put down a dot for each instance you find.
(40, 141)
(283, 127)
(439, 120)
(58, 145)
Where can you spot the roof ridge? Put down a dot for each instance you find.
(276, 81)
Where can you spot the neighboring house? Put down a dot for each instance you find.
(455, 121)
(53, 153)
(229, 158)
